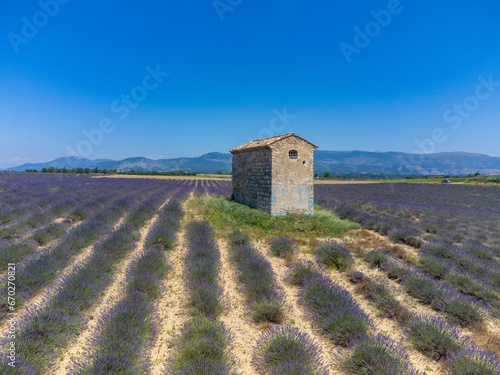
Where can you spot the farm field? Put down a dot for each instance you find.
(197, 177)
(168, 276)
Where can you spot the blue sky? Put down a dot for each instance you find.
(411, 76)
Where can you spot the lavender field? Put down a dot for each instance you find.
(168, 276)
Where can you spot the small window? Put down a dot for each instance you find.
(292, 154)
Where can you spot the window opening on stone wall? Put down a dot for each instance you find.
(292, 154)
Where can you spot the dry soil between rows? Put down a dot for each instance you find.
(170, 308)
(82, 345)
(385, 326)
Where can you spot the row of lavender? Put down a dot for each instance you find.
(35, 273)
(264, 297)
(30, 205)
(285, 349)
(15, 250)
(433, 337)
(428, 217)
(203, 346)
(49, 326)
(281, 349)
(454, 213)
(213, 187)
(335, 311)
(57, 318)
(21, 193)
(29, 201)
(125, 333)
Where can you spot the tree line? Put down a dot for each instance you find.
(109, 171)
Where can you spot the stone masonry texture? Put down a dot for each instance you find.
(266, 177)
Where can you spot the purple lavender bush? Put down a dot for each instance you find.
(375, 355)
(283, 247)
(473, 362)
(434, 337)
(331, 307)
(264, 297)
(405, 236)
(202, 270)
(284, 350)
(203, 348)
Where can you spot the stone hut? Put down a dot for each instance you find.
(275, 174)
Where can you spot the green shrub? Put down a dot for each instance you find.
(343, 326)
(390, 307)
(467, 285)
(224, 213)
(267, 310)
(376, 258)
(356, 276)
(386, 304)
(333, 255)
(237, 238)
(397, 272)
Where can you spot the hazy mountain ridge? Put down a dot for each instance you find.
(452, 163)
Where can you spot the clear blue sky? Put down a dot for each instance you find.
(233, 68)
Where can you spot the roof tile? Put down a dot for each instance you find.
(265, 143)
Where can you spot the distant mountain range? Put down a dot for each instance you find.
(452, 163)
(208, 163)
(442, 163)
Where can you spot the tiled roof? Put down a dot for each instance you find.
(266, 143)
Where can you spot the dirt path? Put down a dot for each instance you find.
(368, 240)
(111, 295)
(170, 308)
(236, 318)
(171, 305)
(297, 314)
